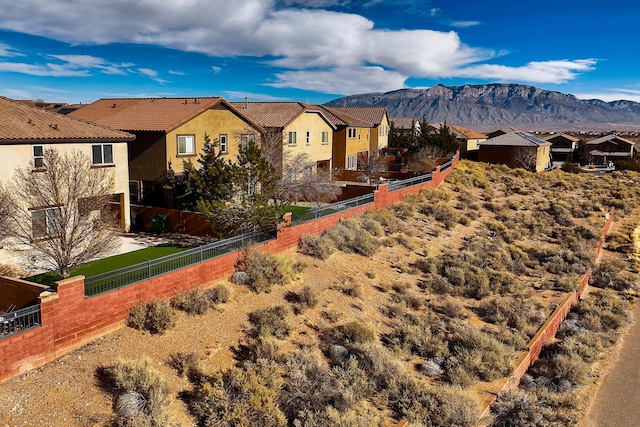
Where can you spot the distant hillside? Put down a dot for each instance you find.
(487, 107)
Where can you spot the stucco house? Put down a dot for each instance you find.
(379, 119)
(296, 127)
(562, 146)
(168, 131)
(469, 141)
(609, 148)
(27, 132)
(516, 149)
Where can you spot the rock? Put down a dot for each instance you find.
(338, 353)
(240, 278)
(431, 369)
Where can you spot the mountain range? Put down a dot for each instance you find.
(491, 106)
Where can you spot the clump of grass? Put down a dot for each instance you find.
(302, 299)
(156, 316)
(350, 333)
(270, 322)
(185, 364)
(220, 294)
(264, 270)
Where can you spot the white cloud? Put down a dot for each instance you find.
(215, 69)
(342, 80)
(465, 24)
(614, 94)
(534, 72)
(42, 70)
(66, 66)
(177, 73)
(302, 40)
(7, 51)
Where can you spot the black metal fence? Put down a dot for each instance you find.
(19, 320)
(115, 279)
(397, 185)
(313, 214)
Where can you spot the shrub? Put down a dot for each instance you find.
(332, 417)
(350, 333)
(320, 247)
(143, 392)
(302, 299)
(192, 302)
(351, 237)
(156, 316)
(265, 269)
(352, 290)
(218, 295)
(270, 322)
(240, 396)
(184, 364)
(387, 219)
(604, 273)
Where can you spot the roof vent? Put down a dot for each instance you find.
(114, 105)
(53, 126)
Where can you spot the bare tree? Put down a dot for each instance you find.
(526, 157)
(301, 181)
(424, 160)
(60, 212)
(372, 166)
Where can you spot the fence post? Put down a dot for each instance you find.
(148, 269)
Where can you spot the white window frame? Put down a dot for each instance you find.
(48, 229)
(187, 143)
(245, 139)
(101, 157)
(352, 133)
(308, 138)
(224, 143)
(38, 158)
(325, 137)
(352, 162)
(293, 137)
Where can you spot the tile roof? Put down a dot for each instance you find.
(404, 122)
(146, 114)
(520, 139)
(571, 138)
(373, 115)
(343, 119)
(461, 132)
(609, 138)
(278, 114)
(20, 122)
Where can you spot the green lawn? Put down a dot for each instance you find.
(295, 209)
(112, 263)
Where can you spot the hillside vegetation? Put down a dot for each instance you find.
(413, 312)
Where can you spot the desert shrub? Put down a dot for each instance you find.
(518, 409)
(350, 333)
(603, 311)
(403, 210)
(192, 302)
(142, 391)
(270, 322)
(349, 236)
(240, 396)
(332, 417)
(352, 290)
(409, 299)
(156, 316)
(331, 316)
(302, 299)
(262, 347)
(520, 313)
(265, 269)
(620, 242)
(604, 273)
(218, 295)
(184, 363)
(320, 247)
(451, 308)
(372, 226)
(442, 212)
(387, 219)
(587, 346)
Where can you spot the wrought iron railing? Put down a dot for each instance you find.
(115, 279)
(397, 185)
(20, 320)
(313, 214)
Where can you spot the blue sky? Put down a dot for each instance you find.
(313, 50)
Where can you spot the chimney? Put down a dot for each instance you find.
(246, 102)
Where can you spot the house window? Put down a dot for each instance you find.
(134, 192)
(351, 133)
(45, 222)
(246, 139)
(308, 137)
(292, 138)
(38, 157)
(351, 162)
(325, 137)
(186, 145)
(102, 154)
(223, 143)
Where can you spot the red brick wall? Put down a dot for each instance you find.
(70, 320)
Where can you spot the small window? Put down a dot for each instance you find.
(186, 145)
(245, 139)
(292, 138)
(102, 154)
(351, 162)
(45, 222)
(325, 137)
(308, 138)
(351, 133)
(223, 143)
(38, 157)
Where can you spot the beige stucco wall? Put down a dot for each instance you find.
(543, 157)
(314, 124)
(216, 121)
(16, 156)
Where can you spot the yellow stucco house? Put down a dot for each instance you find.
(469, 141)
(168, 131)
(296, 127)
(379, 120)
(27, 132)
